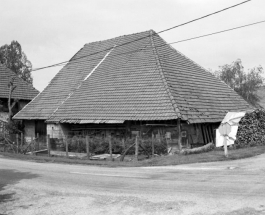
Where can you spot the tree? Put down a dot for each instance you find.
(244, 83)
(15, 59)
(11, 106)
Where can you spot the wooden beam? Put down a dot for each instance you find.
(179, 132)
(66, 147)
(48, 145)
(153, 147)
(110, 147)
(87, 147)
(17, 143)
(136, 147)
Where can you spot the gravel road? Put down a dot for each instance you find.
(219, 188)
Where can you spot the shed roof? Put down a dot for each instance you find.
(133, 77)
(23, 90)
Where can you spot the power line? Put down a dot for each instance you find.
(179, 41)
(62, 63)
(219, 11)
(218, 32)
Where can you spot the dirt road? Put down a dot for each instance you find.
(230, 188)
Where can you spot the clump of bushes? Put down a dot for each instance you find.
(99, 145)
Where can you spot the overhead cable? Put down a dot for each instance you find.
(219, 11)
(179, 41)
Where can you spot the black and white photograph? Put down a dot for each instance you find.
(132, 107)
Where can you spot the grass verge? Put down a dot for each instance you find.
(215, 155)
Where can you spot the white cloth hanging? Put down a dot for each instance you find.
(228, 128)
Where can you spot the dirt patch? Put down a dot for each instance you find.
(8, 177)
(243, 211)
(135, 205)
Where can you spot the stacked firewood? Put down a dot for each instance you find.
(251, 130)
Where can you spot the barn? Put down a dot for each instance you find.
(135, 84)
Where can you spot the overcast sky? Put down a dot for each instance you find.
(51, 31)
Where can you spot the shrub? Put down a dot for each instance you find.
(99, 145)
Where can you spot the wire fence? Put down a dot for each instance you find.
(17, 143)
(102, 145)
(91, 145)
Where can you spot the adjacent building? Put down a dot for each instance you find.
(23, 93)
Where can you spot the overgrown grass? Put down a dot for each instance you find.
(215, 155)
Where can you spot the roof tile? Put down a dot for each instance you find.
(143, 79)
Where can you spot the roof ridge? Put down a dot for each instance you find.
(171, 47)
(119, 37)
(171, 98)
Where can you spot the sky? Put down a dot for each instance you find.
(52, 31)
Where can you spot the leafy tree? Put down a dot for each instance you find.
(244, 83)
(15, 59)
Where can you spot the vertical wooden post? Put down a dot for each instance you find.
(153, 146)
(66, 147)
(48, 145)
(159, 134)
(78, 144)
(136, 147)
(110, 147)
(87, 147)
(4, 139)
(225, 146)
(167, 145)
(32, 146)
(37, 142)
(123, 143)
(179, 132)
(17, 142)
(21, 140)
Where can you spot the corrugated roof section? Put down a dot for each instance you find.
(145, 79)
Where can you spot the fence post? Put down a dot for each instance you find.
(4, 139)
(136, 147)
(153, 147)
(48, 145)
(37, 143)
(159, 133)
(17, 142)
(78, 144)
(22, 141)
(110, 147)
(32, 145)
(179, 132)
(87, 147)
(66, 147)
(225, 147)
(123, 143)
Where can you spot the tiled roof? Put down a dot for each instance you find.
(23, 90)
(145, 79)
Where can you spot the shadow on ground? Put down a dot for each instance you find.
(8, 177)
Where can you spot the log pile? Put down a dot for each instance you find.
(251, 129)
